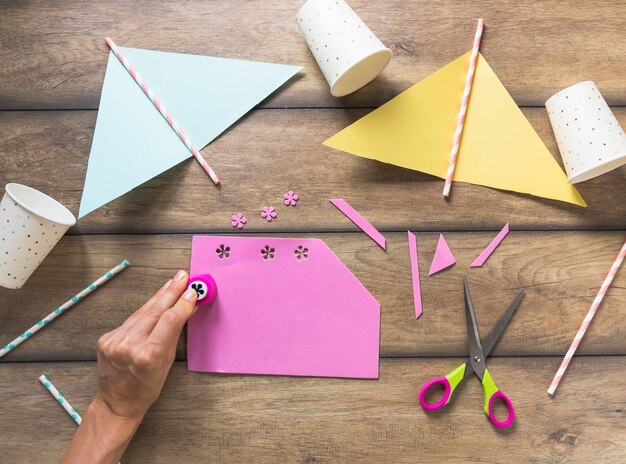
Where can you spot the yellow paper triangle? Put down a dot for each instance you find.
(499, 147)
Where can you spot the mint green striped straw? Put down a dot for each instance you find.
(60, 399)
(65, 306)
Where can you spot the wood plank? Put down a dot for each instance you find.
(242, 419)
(561, 273)
(272, 151)
(537, 48)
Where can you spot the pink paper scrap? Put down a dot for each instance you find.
(478, 262)
(415, 274)
(352, 214)
(284, 307)
(443, 257)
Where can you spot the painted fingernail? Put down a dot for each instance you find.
(180, 275)
(190, 295)
(167, 284)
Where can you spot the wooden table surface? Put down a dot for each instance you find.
(53, 58)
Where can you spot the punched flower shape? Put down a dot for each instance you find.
(223, 251)
(268, 213)
(268, 252)
(290, 198)
(238, 220)
(301, 253)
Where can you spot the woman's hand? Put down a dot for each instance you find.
(133, 363)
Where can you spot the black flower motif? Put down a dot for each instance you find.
(198, 287)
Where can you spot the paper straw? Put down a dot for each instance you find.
(60, 399)
(469, 78)
(587, 320)
(159, 106)
(61, 309)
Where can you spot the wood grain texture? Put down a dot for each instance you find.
(54, 55)
(561, 273)
(272, 151)
(243, 419)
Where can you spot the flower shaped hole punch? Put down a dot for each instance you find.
(223, 251)
(268, 252)
(205, 287)
(301, 253)
(269, 213)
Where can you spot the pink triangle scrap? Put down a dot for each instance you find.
(443, 257)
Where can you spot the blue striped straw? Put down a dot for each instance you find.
(65, 306)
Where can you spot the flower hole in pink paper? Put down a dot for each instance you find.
(268, 252)
(223, 251)
(301, 253)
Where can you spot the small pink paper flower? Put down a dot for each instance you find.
(290, 198)
(238, 220)
(268, 213)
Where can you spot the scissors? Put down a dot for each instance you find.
(476, 364)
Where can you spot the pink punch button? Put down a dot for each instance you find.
(205, 287)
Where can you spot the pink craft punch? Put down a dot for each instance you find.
(205, 287)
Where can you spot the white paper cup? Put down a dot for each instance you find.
(31, 223)
(346, 50)
(589, 137)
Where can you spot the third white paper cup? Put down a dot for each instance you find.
(31, 224)
(590, 139)
(346, 50)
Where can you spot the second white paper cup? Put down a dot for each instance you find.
(31, 224)
(346, 50)
(590, 139)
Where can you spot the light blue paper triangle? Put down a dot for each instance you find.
(132, 143)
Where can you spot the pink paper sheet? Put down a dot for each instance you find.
(415, 274)
(352, 214)
(478, 262)
(298, 312)
(443, 257)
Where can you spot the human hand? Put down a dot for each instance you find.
(135, 358)
(133, 363)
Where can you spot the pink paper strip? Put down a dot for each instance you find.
(415, 273)
(352, 214)
(284, 306)
(478, 262)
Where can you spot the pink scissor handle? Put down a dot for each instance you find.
(446, 393)
(509, 406)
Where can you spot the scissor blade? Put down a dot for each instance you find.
(495, 333)
(477, 358)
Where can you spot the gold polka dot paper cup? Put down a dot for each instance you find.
(346, 50)
(589, 137)
(31, 224)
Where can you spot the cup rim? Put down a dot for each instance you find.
(383, 51)
(57, 213)
(597, 170)
(567, 88)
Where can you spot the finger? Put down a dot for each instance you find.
(134, 316)
(149, 317)
(171, 323)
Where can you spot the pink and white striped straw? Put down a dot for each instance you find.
(469, 78)
(587, 320)
(159, 106)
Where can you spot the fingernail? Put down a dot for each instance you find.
(167, 284)
(180, 275)
(190, 295)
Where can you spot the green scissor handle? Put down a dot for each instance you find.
(449, 384)
(492, 392)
